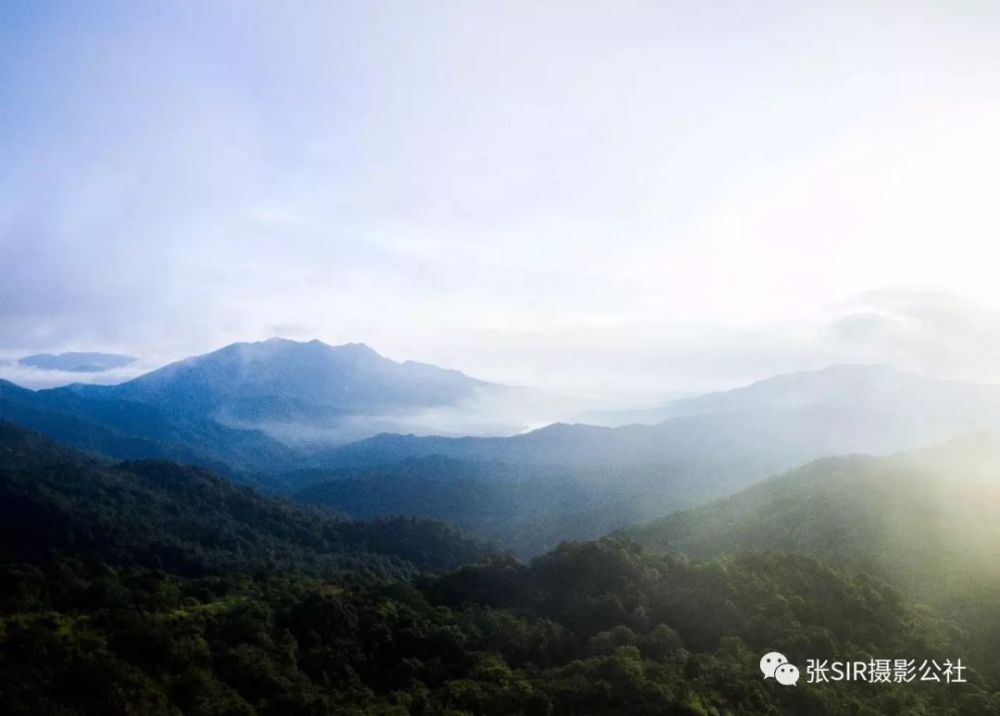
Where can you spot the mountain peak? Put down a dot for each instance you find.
(357, 348)
(837, 371)
(353, 347)
(857, 368)
(845, 385)
(298, 390)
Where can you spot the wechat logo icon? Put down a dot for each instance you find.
(775, 665)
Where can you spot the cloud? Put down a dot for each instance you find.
(930, 331)
(622, 202)
(37, 378)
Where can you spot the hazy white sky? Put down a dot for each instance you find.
(615, 198)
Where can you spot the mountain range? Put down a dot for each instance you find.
(248, 407)
(277, 414)
(858, 554)
(771, 425)
(712, 446)
(296, 392)
(155, 588)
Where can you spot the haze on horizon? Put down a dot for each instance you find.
(611, 199)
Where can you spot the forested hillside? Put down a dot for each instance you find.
(126, 429)
(925, 519)
(528, 508)
(156, 589)
(160, 515)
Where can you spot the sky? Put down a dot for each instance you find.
(622, 200)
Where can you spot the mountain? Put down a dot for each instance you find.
(527, 508)
(77, 362)
(147, 587)
(924, 519)
(268, 412)
(280, 379)
(300, 392)
(157, 514)
(128, 430)
(876, 390)
(251, 407)
(738, 436)
(571, 481)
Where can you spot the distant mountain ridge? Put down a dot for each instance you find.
(250, 406)
(770, 425)
(871, 387)
(281, 380)
(714, 446)
(263, 409)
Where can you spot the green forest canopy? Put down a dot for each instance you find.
(155, 589)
